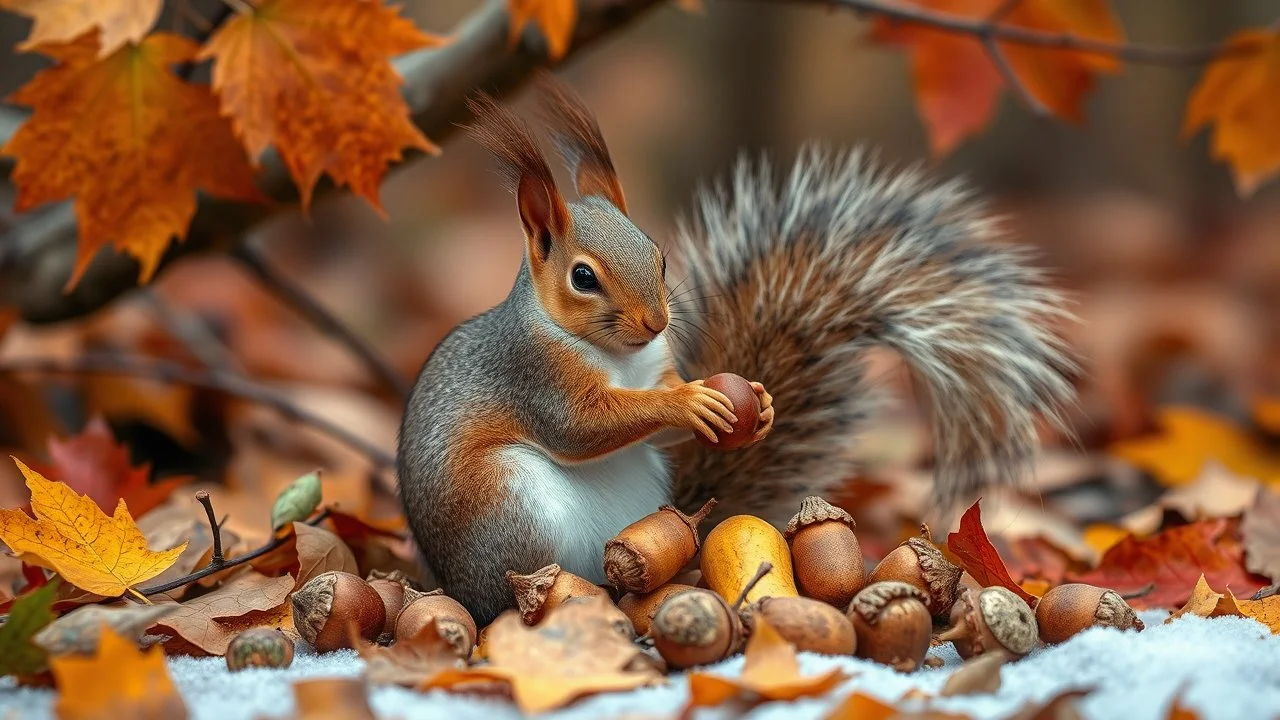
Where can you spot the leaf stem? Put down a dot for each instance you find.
(202, 496)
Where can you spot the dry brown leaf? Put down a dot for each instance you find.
(210, 621)
(184, 519)
(1059, 707)
(118, 682)
(1190, 438)
(555, 18)
(576, 651)
(1207, 603)
(331, 699)
(977, 675)
(770, 672)
(1216, 492)
(862, 707)
(1265, 611)
(1260, 533)
(80, 630)
(410, 661)
(117, 21)
(320, 551)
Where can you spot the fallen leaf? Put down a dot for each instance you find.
(297, 501)
(1216, 492)
(1103, 536)
(862, 707)
(770, 672)
(320, 551)
(574, 652)
(1265, 611)
(1260, 533)
(1062, 706)
(1266, 413)
(1188, 439)
(331, 698)
(957, 84)
(1237, 95)
(130, 141)
(410, 661)
(1178, 711)
(71, 535)
(117, 21)
(31, 613)
(209, 622)
(93, 463)
(80, 630)
(1173, 559)
(312, 77)
(1206, 603)
(978, 675)
(174, 521)
(979, 557)
(1032, 559)
(556, 19)
(118, 682)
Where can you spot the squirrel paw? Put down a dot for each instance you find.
(766, 414)
(704, 410)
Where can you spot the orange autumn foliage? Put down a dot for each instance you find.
(312, 78)
(129, 140)
(957, 83)
(118, 682)
(1239, 94)
(118, 21)
(1188, 439)
(555, 18)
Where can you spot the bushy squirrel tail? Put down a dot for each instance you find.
(790, 285)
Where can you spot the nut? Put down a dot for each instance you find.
(811, 625)
(825, 554)
(539, 591)
(329, 603)
(893, 624)
(746, 408)
(640, 608)
(918, 562)
(994, 618)
(1068, 609)
(653, 549)
(259, 647)
(695, 627)
(453, 622)
(392, 594)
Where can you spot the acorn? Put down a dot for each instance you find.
(481, 650)
(695, 627)
(616, 618)
(539, 591)
(259, 647)
(808, 624)
(746, 408)
(893, 624)
(652, 550)
(1068, 609)
(640, 608)
(391, 589)
(825, 554)
(329, 602)
(920, 563)
(453, 621)
(994, 618)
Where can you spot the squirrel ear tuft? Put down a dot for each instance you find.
(543, 211)
(577, 135)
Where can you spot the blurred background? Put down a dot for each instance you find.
(1175, 278)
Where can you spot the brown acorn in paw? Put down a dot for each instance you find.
(994, 618)
(746, 408)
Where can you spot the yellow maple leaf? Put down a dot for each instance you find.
(130, 141)
(1239, 94)
(1189, 438)
(118, 682)
(71, 535)
(770, 672)
(119, 21)
(1206, 602)
(555, 18)
(312, 78)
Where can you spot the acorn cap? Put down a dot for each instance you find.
(532, 590)
(875, 597)
(1009, 619)
(942, 576)
(1114, 612)
(814, 509)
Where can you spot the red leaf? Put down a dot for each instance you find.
(94, 464)
(978, 556)
(1173, 560)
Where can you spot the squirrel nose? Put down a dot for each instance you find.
(655, 330)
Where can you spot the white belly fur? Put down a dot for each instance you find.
(581, 506)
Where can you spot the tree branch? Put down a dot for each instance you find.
(297, 297)
(37, 256)
(211, 379)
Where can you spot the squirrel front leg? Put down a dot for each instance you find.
(606, 418)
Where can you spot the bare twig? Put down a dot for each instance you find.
(297, 297)
(761, 571)
(1140, 592)
(188, 328)
(215, 528)
(1011, 79)
(211, 379)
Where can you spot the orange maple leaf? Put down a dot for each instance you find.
(72, 536)
(555, 18)
(312, 78)
(957, 83)
(120, 21)
(118, 682)
(130, 141)
(1239, 94)
(1188, 439)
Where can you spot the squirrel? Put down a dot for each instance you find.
(539, 429)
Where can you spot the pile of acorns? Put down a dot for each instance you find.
(809, 583)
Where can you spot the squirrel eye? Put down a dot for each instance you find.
(584, 279)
